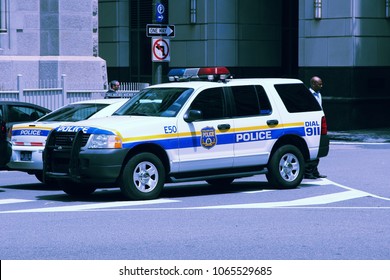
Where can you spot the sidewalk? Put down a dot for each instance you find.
(381, 135)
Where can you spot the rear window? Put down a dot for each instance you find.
(297, 98)
(74, 112)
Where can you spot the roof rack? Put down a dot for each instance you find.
(213, 74)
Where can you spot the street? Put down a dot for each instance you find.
(344, 216)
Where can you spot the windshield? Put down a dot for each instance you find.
(161, 102)
(74, 112)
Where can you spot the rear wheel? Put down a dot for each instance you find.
(143, 177)
(286, 167)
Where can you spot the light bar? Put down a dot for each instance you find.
(204, 73)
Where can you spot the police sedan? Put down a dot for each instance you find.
(28, 139)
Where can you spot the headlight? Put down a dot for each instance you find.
(103, 141)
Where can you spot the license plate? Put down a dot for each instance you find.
(25, 156)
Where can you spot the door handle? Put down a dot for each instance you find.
(272, 122)
(224, 126)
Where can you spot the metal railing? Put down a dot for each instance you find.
(53, 94)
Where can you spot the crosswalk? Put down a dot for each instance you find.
(15, 205)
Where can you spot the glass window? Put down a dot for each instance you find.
(74, 112)
(211, 103)
(3, 16)
(17, 113)
(250, 101)
(160, 102)
(297, 98)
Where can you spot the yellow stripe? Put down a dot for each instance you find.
(197, 133)
(32, 127)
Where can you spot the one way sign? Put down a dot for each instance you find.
(154, 30)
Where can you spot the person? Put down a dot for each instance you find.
(112, 92)
(311, 169)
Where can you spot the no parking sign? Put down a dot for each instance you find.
(160, 50)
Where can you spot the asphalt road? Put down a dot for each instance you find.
(343, 217)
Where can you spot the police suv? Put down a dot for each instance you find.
(216, 130)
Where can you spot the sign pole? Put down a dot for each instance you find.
(160, 15)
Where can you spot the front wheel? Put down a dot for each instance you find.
(286, 167)
(143, 177)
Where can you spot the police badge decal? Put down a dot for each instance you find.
(208, 139)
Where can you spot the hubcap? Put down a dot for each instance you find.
(289, 167)
(145, 176)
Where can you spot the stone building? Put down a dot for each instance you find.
(345, 42)
(45, 39)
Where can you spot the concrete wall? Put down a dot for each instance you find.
(231, 33)
(48, 38)
(349, 48)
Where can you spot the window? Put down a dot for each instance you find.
(3, 16)
(23, 113)
(211, 103)
(250, 101)
(297, 98)
(74, 112)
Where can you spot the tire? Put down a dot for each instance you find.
(286, 168)
(143, 177)
(48, 182)
(39, 176)
(220, 182)
(78, 190)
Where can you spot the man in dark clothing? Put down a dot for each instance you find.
(112, 92)
(311, 170)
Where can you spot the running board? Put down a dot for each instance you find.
(237, 175)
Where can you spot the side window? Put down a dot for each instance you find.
(265, 105)
(3, 16)
(245, 100)
(211, 103)
(250, 101)
(297, 98)
(23, 113)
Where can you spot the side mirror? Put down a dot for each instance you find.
(193, 115)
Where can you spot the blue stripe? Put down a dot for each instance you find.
(222, 139)
(30, 132)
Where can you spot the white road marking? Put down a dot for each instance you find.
(315, 200)
(10, 201)
(91, 206)
(308, 202)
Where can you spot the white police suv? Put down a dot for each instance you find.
(28, 139)
(216, 131)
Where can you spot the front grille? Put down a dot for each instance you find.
(65, 139)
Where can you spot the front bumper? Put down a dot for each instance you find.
(88, 166)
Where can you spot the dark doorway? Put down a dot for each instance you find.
(290, 19)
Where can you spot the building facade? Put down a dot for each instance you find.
(346, 43)
(45, 39)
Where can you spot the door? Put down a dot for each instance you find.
(255, 125)
(207, 142)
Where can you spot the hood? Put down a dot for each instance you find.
(117, 124)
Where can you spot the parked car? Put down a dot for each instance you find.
(28, 139)
(13, 112)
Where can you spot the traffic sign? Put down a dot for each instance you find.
(160, 50)
(155, 30)
(160, 13)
